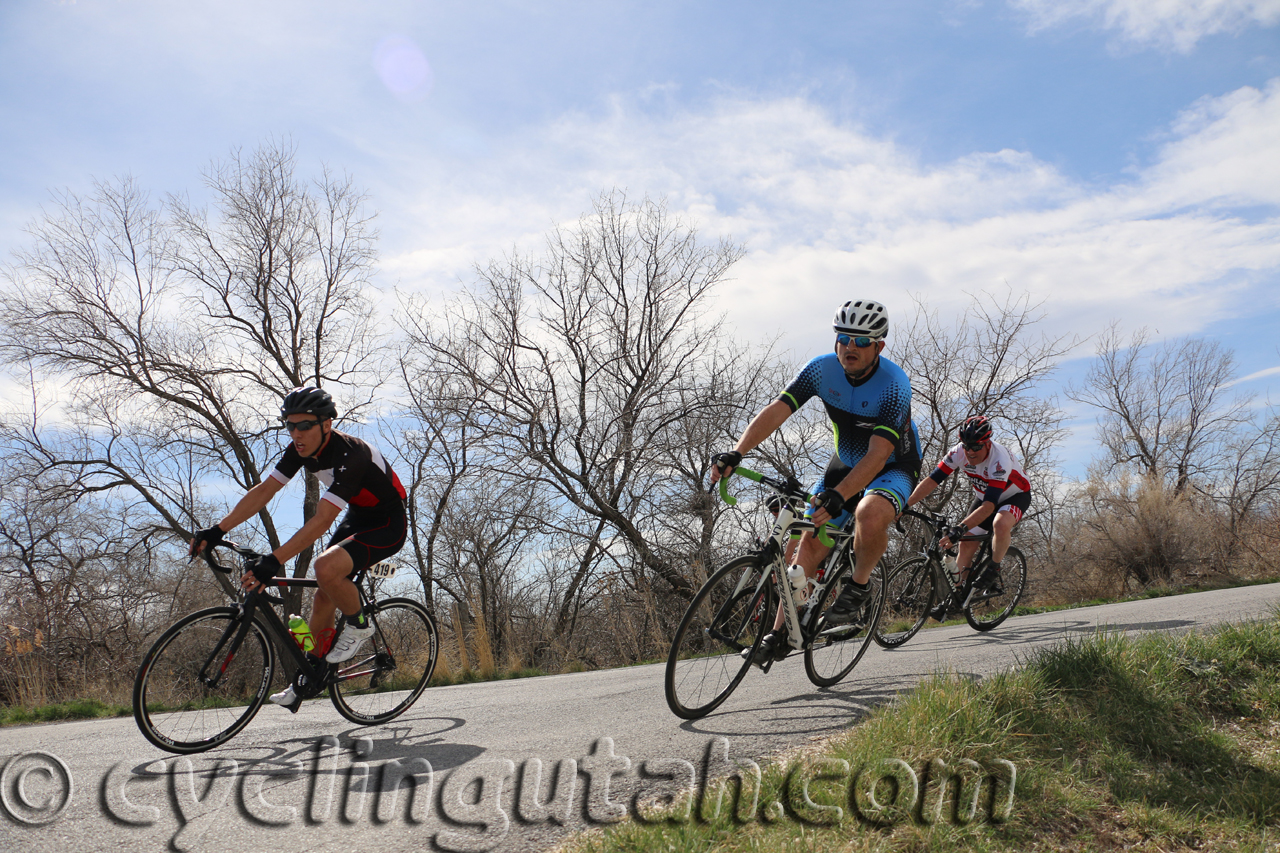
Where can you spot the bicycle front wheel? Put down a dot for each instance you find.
(836, 649)
(391, 671)
(990, 612)
(712, 648)
(908, 595)
(174, 705)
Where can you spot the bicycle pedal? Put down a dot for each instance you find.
(837, 633)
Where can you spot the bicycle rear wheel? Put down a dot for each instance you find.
(175, 709)
(727, 617)
(836, 649)
(392, 669)
(990, 612)
(908, 595)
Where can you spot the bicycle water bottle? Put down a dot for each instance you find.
(949, 563)
(301, 632)
(799, 583)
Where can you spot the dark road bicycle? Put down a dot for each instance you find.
(713, 645)
(206, 676)
(918, 585)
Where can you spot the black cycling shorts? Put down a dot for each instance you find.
(370, 539)
(1016, 504)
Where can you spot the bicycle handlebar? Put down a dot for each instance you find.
(789, 487)
(207, 554)
(937, 521)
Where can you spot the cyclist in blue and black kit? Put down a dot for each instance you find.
(877, 459)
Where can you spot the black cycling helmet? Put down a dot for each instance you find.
(976, 430)
(308, 401)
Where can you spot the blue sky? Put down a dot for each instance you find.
(1116, 159)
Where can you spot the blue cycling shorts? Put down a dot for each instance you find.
(893, 485)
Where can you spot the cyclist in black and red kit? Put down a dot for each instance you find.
(357, 479)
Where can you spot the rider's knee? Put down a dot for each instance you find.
(875, 512)
(331, 567)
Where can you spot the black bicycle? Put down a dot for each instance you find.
(208, 674)
(925, 584)
(715, 641)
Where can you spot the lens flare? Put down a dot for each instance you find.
(402, 67)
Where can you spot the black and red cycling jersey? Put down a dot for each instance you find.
(355, 475)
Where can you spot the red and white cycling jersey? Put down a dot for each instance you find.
(998, 471)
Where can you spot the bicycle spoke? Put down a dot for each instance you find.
(726, 618)
(908, 597)
(989, 612)
(836, 649)
(175, 708)
(393, 668)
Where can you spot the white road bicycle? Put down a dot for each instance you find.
(713, 646)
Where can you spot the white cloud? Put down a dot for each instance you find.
(1257, 374)
(1225, 152)
(828, 211)
(1170, 24)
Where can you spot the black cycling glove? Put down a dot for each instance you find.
(830, 500)
(725, 461)
(210, 536)
(263, 568)
(954, 532)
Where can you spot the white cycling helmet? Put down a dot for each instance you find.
(862, 317)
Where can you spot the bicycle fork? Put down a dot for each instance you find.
(239, 627)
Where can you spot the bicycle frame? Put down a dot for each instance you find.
(790, 521)
(259, 602)
(933, 553)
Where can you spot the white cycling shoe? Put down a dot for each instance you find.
(287, 699)
(349, 642)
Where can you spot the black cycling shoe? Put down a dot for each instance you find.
(987, 585)
(773, 646)
(990, 588)
(848, 604)
(939, 612)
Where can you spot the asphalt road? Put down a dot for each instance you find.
(312, 782)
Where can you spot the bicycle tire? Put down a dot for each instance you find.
(833, 652)
(174, 710)
(908, 596)
(390, 672)
(989, 613)
(725, 618)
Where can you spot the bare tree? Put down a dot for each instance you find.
(1164, 407)
(172, 333)
(585, 362)
(78, 588)
(992, 362)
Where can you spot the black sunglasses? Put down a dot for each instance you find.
(300, 426)
(974, 448)
(861, 341)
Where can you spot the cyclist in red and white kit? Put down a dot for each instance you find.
(356, 479)
(1003, 495)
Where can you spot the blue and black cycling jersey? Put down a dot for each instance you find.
(879, 405)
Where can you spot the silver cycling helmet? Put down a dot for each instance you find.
(862, 317)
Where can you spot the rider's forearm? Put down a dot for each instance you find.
(867, 468)
(248, 506)
(762, 426)
(326, 512)
(926, 487)
(979, 515)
